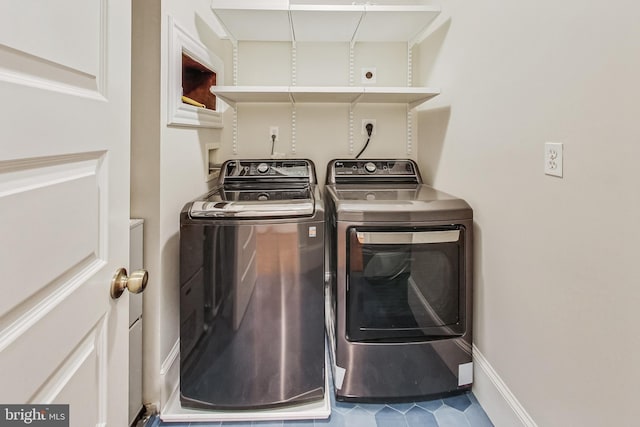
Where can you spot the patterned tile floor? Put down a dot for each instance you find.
(457, 411)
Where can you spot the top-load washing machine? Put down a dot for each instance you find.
(251, 288)
(399, 293)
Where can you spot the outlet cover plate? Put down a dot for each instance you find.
(364, 126)
(553, 158)
(368, 75)
(274, 130)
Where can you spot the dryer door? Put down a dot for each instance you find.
(405, 283)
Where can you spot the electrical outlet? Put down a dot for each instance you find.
(553, 158)
(273, 130)
(368, 75)
(364, 126)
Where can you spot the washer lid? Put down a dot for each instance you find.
(255, 203)
(251, 209)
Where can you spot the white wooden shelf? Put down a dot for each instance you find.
(304, 21)
(284, 20)
(413, 96)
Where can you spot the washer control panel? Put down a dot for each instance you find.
(248, 169)
(370, 167)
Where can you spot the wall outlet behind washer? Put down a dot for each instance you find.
(273, 130)
(365, 122)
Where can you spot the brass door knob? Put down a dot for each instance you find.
(135, 283)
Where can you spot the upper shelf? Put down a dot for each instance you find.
(413, 96)
(284, 20)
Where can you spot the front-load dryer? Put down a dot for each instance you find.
(399, 294)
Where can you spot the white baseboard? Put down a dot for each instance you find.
(170, 374)
(500, 404)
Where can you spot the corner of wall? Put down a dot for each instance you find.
(500, 404)
(145, 161)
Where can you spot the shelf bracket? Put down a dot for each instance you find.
(291, 30)
(414, 104)
(356, 100)
(354, 37)
(230, 36)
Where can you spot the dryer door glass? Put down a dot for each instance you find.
(405, 283)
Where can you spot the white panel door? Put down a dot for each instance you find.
(64, 205)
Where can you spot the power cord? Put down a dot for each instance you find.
(369, 128)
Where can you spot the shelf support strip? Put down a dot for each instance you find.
(351, 64)
(294, 64)
(350, 128)
(293, 128)
(409, 107)
(409, 130)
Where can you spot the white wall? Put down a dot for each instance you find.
(557, 288)
(321, 130)
(168, 169)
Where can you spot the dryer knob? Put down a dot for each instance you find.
(370, 167)
(263, 168)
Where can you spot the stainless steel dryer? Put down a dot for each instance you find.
(251, 288)
(399, 294)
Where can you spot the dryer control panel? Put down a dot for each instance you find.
(346, 171)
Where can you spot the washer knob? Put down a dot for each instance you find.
(263, 168)
(370, 167)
